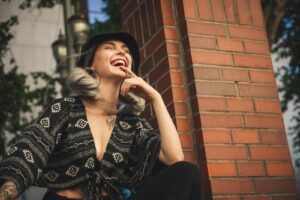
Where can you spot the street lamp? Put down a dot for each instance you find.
(59, 50)
(79, 29)
(64, 49)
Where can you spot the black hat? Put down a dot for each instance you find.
(85, 59)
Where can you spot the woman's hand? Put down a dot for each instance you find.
(8, 191)
(138, 86)
(171, 150)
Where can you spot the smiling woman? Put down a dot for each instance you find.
(111, 53)
(98, 61)
(94, 144)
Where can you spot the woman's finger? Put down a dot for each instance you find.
(122, 90)
(128, 84)
(128, 72)
(127, 88)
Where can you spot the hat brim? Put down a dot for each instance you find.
(125, 37)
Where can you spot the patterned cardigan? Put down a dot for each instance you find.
(58, 151)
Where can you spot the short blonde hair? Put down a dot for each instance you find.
(82, 82)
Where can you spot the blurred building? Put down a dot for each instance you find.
(31, 47)
(36, 30)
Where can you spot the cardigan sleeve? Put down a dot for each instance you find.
(145, 151)
(27, 157)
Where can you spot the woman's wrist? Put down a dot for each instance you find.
(155, 96)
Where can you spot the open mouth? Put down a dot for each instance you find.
(118, 63)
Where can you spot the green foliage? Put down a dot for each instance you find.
(6, 36)
(112, 9)
(17, 99)
(287, 46)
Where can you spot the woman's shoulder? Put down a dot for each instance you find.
(62, 102)
(68, 99)
(59, 106)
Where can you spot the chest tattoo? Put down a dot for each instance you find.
(110, 121)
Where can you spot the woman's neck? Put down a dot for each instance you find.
(109, 90)
(109, 97)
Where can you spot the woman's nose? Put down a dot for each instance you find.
(120, 51)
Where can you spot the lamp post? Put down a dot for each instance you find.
(59, 51)
(76, 29)
(79, 29)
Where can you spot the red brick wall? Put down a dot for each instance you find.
(210, 61)
(160, 62)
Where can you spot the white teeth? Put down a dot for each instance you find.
(118, 61)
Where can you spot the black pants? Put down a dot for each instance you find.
(180, 181)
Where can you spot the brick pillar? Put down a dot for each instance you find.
(160, 62)
(210, 61)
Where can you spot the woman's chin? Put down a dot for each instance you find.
(118, 73)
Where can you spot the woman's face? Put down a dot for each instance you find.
(108, 58)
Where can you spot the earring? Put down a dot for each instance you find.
(95, 70)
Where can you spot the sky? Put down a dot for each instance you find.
(94, 8)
